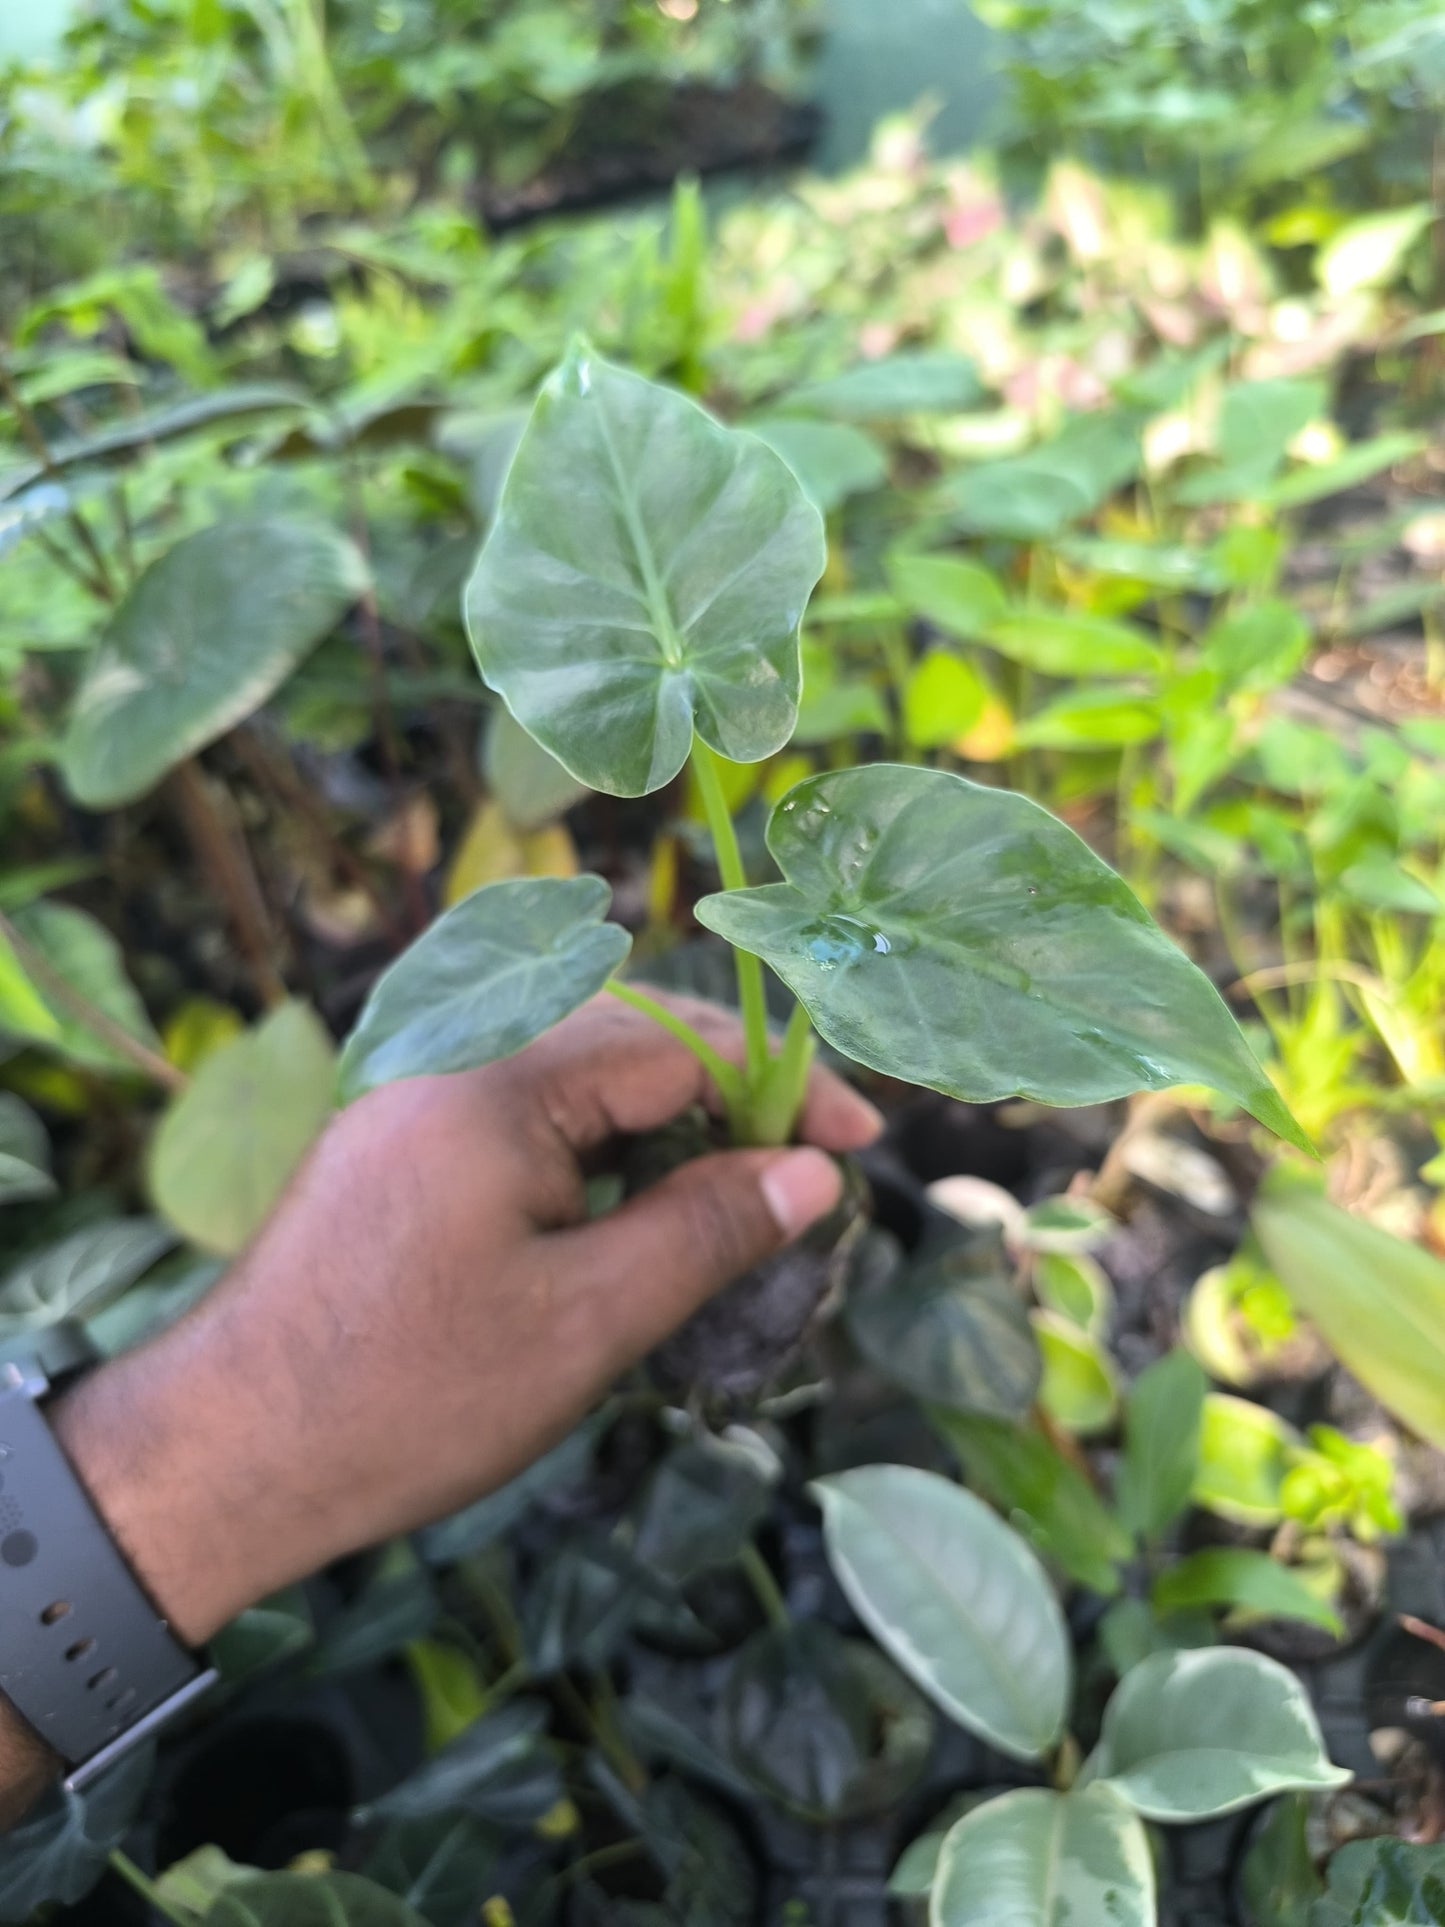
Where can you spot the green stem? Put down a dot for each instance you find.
(760, 1578)
(774, 1103)
(726, 1076)
(730, 868)
(131, 1874)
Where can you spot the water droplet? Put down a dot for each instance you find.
(881, 943)
(841, 939)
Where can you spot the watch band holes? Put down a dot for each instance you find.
(82, 1649)
(54, 1613)
(100, 1681)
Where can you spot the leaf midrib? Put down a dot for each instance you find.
(669, 637)
(1021, 1705)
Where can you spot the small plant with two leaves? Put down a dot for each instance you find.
(637, 607)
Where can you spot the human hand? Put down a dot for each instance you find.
(428, 1309)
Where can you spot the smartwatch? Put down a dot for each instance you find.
(85, 1658)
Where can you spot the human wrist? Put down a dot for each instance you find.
(147, 1444)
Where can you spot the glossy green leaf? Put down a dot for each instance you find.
(950, 1334)
(1188, 1736)
(1384, 1883)
(645, 576)
(24, 1153)
(1044, 1495)
(1070, 642)
(830, 459)
(228, 1144)
(961, 938)
(310, 1900)
(442, 1865)
(1163, 1416)
(80, 1274)
(913, 1875)
(1238, 1576)
(955, 1597)
(943, 698)
(1243, 1457)
(203, 639)
(703, 1503)
(1077, 1390)
(1378, 1302)
(911, 381)
(960, 597)
(1033, 1858)
(502, 966)
(84, 955)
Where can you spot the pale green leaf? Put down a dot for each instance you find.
(80, 1274)
(1077, 1390)
(1378, 1302)
(645, 577)
(24, 1153)
(1244, 1453)
(956, 1598)
(229, 1142)
(1188, 1736)
(1238, 1576)
(943, 698)
(960, 937)
(960, 597)
(84, 955)
(502, 966)
(832, 460)
(207, 634)
(1033, 1858)
(1368, 252)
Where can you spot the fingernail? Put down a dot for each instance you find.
(801, 1187)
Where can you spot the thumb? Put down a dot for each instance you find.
(657, 1258)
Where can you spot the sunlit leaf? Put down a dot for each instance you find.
(1039, 1859)
(1070, 642)
(206, 635)
(1368, 252)
(1077, 1390)
(645, 576)
(958, 1599)
(228, 1144)
(1091, 719)
(1378, 1301)
(943, 698)
(1188, 1736)
(84, 955)
(497, 970)
(1243, 1457)
(1044, 1494)
(960, 937)
(961, 597)
(1313, 482)
(1238, 1576)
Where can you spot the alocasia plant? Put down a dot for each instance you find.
(637, 607)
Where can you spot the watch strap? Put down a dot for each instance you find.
(85, 1658)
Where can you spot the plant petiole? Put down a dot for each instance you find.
(728, 1078)
(730, 868)
(765, 1587)
(122, 1865)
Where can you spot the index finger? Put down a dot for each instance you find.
(609, 1070)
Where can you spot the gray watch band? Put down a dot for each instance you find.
(84, 1657)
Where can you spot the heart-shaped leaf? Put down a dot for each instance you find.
(832, 460)
(205, 636)
(228, 1144)
(962, 938)
(645, 576)
(1040, 1859)
(85, 956)
(1188, 1736)
(952, 1334)
(502, 1769)
(504, 965)
(957, 1599)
